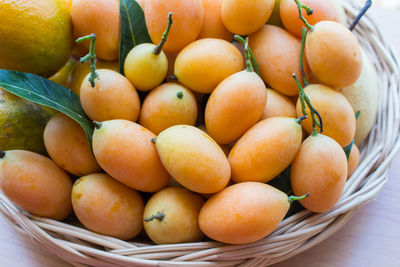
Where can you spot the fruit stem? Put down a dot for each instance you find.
(172, 78)
(179, 95)
(357, 115)
(154, 140)
(314, 113)
(348, 149)
(157, 49)
(97, 124)
(90, 56)
(303, 43)
(294, 198)
(367, 5)
(159, 216)
(251, 62)
(308, 10)
(2, 154)
(302, 118)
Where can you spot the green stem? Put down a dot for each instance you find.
(294, 198)
(157, 49)
(303, 44)
(302, 118)
(90, 56)
(2, 154)
(357, 115)
(159, 216)
(314, 113)
(251, 62)
(97, 124)
(308, 10)
(348, 149)
(367, 5)
(179, 95)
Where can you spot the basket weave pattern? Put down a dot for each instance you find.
(294, 235)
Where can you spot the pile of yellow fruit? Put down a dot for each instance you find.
(231, 94)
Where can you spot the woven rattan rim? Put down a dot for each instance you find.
(294, 235)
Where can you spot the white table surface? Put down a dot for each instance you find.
(370, 238)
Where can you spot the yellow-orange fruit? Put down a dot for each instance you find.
(203, 64)
(179, 209)
(102, 18)
(193, 159)
(245, 17)
(225, 148)
(320, 169)
(108, 207)
(337, 115)
(353, 160)
(333, 54)
(277, 53)
(113, 97)
(278, 105)
(82, 70)
(213, 26)
(125, 151)
(323, 10)
(243, 213)
(144, 69)
(265, 150)
(364, 96)
(68, 146)
(234, 106)
(167, 105)
(188, 18)
(36, 184)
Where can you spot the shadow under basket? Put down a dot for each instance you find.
(294, 235)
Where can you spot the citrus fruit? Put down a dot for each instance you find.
(22, 123)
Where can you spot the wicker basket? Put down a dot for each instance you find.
(294, 235)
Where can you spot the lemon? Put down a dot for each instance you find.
(22, 123)
(36, 35)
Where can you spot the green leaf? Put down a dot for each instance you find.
(133, 29)
(45, 92)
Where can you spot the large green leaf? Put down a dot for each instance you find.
(133, 29)
(47, 93)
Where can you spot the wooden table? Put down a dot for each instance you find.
(370, 238)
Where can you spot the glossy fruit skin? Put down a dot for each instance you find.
(125, 151)
(16, 116)
(187, 17)
(180, 224)
(353, 160)
(102, 18)
(245, 17)
(36, 184)
(243, 213)
(278, 105)
(144, 69)
(277, 53)
(82, 70)
(265, 150)
(193, 159)
(337, 115)
(108, 207)
(333, 54)
(36, 36)
(68, 146)
(364, 96)
(212, 26)
(323, 10)
(113, 97)
(162, 108)
(203, 64)
(234, 106)
(320, 168)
